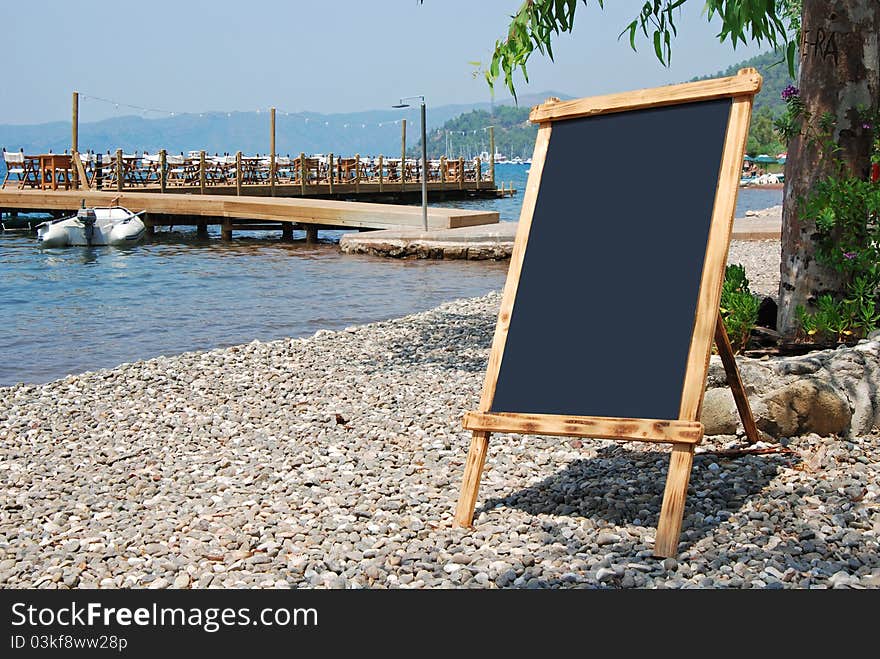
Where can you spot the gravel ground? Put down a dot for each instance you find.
(761, 261)
(335, 461)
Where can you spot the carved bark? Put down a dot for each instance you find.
(839, 70)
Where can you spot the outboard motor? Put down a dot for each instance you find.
(87, 218)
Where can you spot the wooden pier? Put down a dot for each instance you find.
(233, 213)
(239, 192)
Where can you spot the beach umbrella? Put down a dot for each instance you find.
(765, 159)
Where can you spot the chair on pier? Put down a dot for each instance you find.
(104, 170)
(284, 169)
(392, 170)
(309, 174)
(369, 169)
(435, 170)
(179, 170)
(250, 169)
(345, 170)
(412, 170)
(16, 165)
(470, 170)
(148, 171)
(221, 170)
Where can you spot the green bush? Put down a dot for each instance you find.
(739, 307)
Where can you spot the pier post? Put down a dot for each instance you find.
(302, 173)
(148, 224)
(311, 233)
(287, 231)
(479, 176)
(272, 152)
(74, 137)
(330, 173)
(444, 165)
(226, 229)
(460, 173)
(238, 173)
(202, 229)
(492, 154)
(381, 171)
(357, 173)
(118, 170)
(403, 155)
(163, 170)
(202, 172)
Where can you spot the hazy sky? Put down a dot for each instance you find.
(325, 56)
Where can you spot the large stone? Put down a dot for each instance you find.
(719, 416)
(805, 406)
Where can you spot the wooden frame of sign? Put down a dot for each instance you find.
(686, 431)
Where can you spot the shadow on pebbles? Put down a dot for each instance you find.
(335, 461)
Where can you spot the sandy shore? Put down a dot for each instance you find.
(335, 461)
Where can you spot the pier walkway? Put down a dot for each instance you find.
(244, 213)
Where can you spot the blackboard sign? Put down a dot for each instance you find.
(604, 310)
(611, 301)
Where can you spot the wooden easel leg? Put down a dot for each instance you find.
(464, 512)
(672, 510)
(734, 381)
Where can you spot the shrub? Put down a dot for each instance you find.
(739, 307)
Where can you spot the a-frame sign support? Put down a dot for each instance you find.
(683, 431)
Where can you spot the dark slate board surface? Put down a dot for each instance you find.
(605, 306)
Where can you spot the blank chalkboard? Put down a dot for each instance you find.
(611, 303)
(604, 309)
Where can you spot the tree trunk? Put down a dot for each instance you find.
(839, 71)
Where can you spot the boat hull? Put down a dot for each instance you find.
(115, 226)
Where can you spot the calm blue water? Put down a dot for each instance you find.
(72, 310)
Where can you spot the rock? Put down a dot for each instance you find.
(804, 406)
(841, 579)
(604, 574)
(607, 538)
(158, 584)
(719, 415)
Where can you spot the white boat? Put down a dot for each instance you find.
(93, 226)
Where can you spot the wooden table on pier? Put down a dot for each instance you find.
(54, 163)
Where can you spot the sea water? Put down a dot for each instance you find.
(70, 310)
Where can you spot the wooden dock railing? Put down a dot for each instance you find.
(199, 172)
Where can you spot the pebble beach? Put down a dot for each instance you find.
(334, 461)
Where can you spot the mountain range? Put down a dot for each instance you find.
(368, 132)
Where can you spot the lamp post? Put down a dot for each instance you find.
(424, 156)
